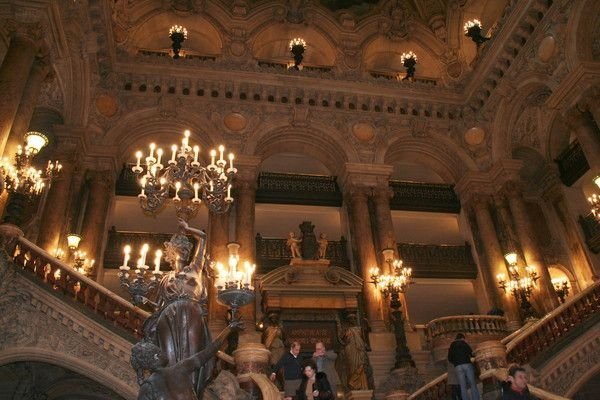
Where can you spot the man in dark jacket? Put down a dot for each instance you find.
(515, 388)
(292, 370)
(459, 354)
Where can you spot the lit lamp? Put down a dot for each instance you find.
(142, 282)
(521, 287)
(561, 287)
(234, 284)
(391, 285)
(473, 30)
(597, 181)
(178, 34)
(409, 60)
(73, 241)
(594, 201)
(297, 47)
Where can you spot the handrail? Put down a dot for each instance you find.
(501, 375)
(469, 324)
(436, 389)
(84, 290)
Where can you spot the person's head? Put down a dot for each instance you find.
(274, 318)
(177, 251)
(320, 348)
(459, 336)
(295, 348)
(310, 369)
(146, 355)
(517, 376)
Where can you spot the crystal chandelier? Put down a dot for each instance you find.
(520, 286)
(185, 179)
(21, 176)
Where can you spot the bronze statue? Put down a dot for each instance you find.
(354, 361)
(179, 326)
(272, 338)
(168, 381)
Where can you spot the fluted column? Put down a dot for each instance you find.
(588, 136)
(218, 237)
(100, 192)
(531, 251)
(56, 208)
(495, 258)
(21, 123)
(360, 225)
(14, 72)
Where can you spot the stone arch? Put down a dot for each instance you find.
(440, 154)
(533, 162)
(583, 27)
(77, 364)
(318, 142)
(147, 125)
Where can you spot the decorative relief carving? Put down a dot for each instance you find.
(525, 131)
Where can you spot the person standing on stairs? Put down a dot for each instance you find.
(460, 354)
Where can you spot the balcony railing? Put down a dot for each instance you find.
(591, 230)
(468, 324)
(438, 261)
(46, 270)
(572, 163)
(298, 189)
(272, 253)
(430, 197)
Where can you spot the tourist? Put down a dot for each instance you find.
(314, 385)
(325, 361)
(292, 370)
(515, 387)
(460, 354)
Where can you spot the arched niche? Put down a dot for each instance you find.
(294, 163)
(384, 55)
(486, 11)
(153, 34)
(406, 170)
(583, 28)
(272, 43)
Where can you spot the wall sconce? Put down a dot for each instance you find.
(178, 34)
(409, 60)
(297, 47)
(73, 241)
(473, 30)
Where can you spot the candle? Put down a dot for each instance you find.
(196, 151)
(185, 141)
(177, 187)
(144, 251)
(138, 155)
(221, 150)
(229, 191)
(231, 156)
(157, 257)
(174, 149)
(211, 185)
(213, 154)
(196, 189)
(126, 250)
(152, 147)
(159, 153)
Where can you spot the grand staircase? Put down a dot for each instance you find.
(51, 313)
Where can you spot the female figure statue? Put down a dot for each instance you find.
(354, 361)
(272, 338)
(179, 325)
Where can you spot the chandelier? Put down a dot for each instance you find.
(594, 200)
(520, 286)
(473, 30)
(21, 176)
(80, 262)
(409, 60)
(178, 35)
(297, 47)
(141, 283)
(185, 179)
(561, 287)
(234, 285)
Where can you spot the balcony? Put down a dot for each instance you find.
(438, 261)
(572, 163)
(431, 197)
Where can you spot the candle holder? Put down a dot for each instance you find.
(473, 30)
(297, 48)
(178, 35)
(561, 287)
(521, 287)
(409, 60)
(142, 282)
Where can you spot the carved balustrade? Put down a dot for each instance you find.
(572, 163)
(591, 230)
(272, 253)
(304, 189)
(477, 328)
(115, 311)
(432, 197)
(438, 261)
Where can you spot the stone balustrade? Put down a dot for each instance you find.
(477, 328)
(115, 311)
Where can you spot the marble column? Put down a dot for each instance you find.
(495, 259)
(358, 208)
(100, 192)
(21, 122)
(384, 227)
(218, 237)
(531, 250)
(54, 215)
(14, 72)
(588, 136)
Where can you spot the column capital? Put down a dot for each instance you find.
(505, 170)
(248, 170)
(473, 184)
(28, 33)
(368, 175)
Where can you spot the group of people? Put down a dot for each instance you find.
(461, 375)
(312, 379)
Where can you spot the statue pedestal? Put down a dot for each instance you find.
(359, 395)
(299, 262)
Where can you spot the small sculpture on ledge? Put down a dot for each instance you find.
(323, 242)
(294, 244)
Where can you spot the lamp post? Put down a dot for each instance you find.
(520, 286)
(391, 286)
(473, 30)
(297, 47)
(561, 287)
(178, 34)
(409, 60)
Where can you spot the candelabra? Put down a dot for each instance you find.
(594, 201)
(185, 177)
(234, 286)
(141, 283)
(409, 60)
(297, 47)
(521, 287)
(391, 286)
(561, 287)
(178, 35)
(80, 262)
(21, 177)
(473, 30)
